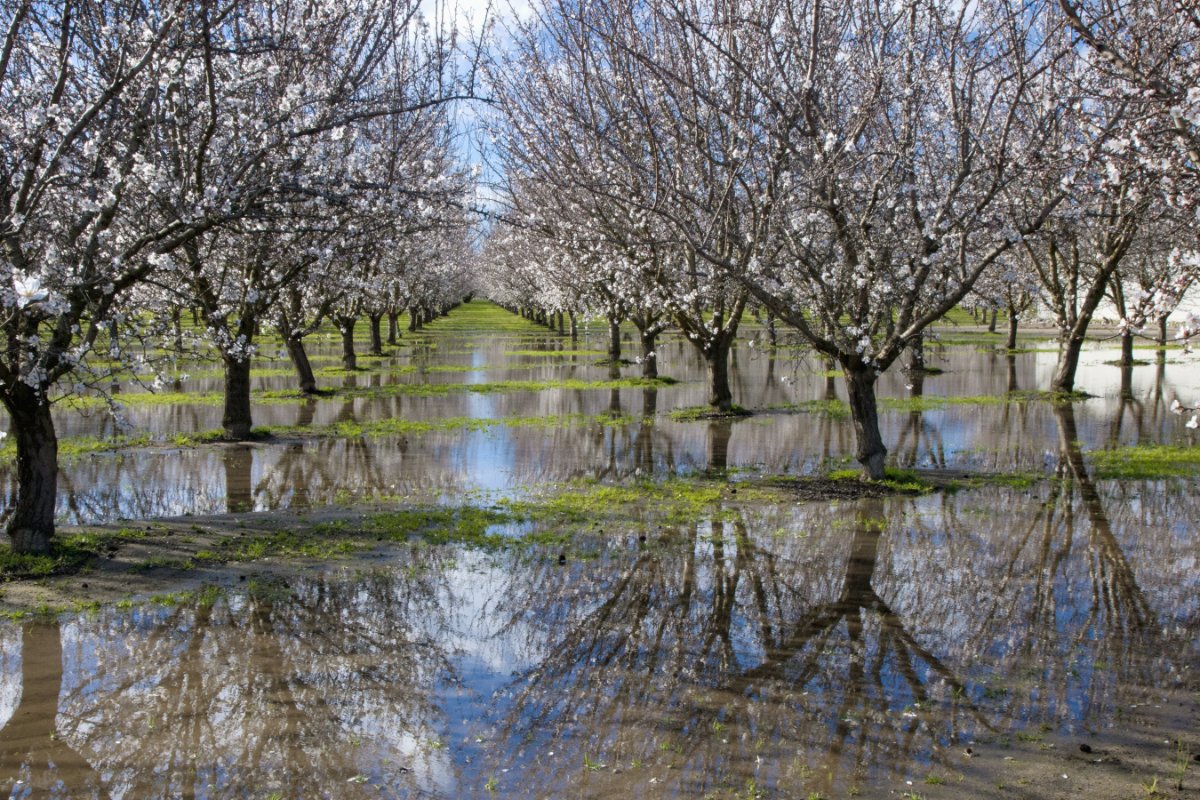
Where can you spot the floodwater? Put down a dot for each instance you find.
(792, 649)
(1131, 407)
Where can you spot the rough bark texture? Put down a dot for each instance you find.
(1068, 363)
(376, 334)
(300, 362)
(1011, 343)
(393, 328)
(614, 339)
(414, 319)
(235, 420)
(864, 411)
(349, 357)
(649, 354)
(720, 396)
(31, 524)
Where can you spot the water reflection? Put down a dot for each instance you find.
(804, 647)
(1133, 407)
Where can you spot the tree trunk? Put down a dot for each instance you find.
(414, 319)
(31, 525)
(1011, 344)
(614, 339)
(860, 390)
(1127, 348)
(649, 355)
(393, 328)
(1162, 332)
(349, 358)
(992, 322)
(717, 357)
(574, 326)
(1068, 363)
(235, 420)
(177, 323)
(299, 356)
(916, 354)
(376, 334)
(562, 324)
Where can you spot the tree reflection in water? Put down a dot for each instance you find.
(811, 647)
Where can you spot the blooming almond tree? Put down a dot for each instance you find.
(77, 82)
(887, 163)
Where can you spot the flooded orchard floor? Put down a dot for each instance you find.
(714, 639)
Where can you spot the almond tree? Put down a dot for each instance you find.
(626, 153)
(882, 153)
(77, 82)
(282, 110)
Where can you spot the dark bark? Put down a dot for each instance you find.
(414, 319)
(376, 334)
(1162, 332)
(30, 526)
(716, 356)
(1068, 363)
(349, 357)
(649, 354)
(235, 421)
(574, 326)
(992, 322)
(1011, 344)
(177, 323)
(562, 324)
(393, 336)
(1127, 348)
(614, 339)
(864, 411)
(299, 357)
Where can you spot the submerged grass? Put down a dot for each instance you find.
(1146, 462)
(700, 413)
(838, 409)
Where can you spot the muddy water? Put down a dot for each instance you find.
(846, 649)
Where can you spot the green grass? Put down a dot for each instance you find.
(1146, 462)
(67, 556)
(906, 481)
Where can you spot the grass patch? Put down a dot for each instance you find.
(903, 481)
(1144, 462)
(701, 413)
(676, 499)
(67, 556)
